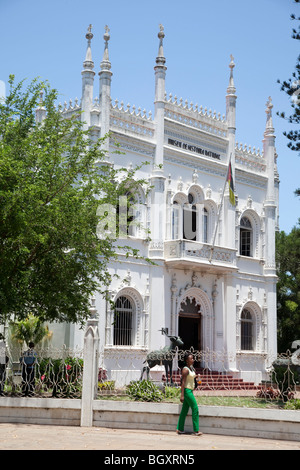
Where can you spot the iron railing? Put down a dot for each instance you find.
(59, 373)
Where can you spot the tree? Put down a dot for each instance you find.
(29, 330)
(292, 88)
(288, 287)
(53, 179)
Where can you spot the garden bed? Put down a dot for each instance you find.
(233, 398)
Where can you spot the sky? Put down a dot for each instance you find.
(46, 39)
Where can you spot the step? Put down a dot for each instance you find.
(214, 380)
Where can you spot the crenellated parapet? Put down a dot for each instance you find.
(195, 116)
(131, 120)
(249, 157)
(69, 107)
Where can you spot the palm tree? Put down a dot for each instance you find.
(29, 330)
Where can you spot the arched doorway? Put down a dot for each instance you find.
(190, 326)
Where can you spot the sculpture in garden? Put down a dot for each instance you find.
(163, 356)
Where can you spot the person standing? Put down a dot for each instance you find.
(187, 397)
(3, 363)
(28, 360)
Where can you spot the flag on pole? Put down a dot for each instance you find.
(229, 180)
(230, 184)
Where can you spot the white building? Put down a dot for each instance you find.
(226, 303)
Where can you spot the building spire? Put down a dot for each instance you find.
(88, 64)
(231, 88)
(105, 64)
(160, 59)
(87, 80)
(40, 112)
(105, 75)
(159, 102)
(270, 203)
(156, 246)
(269, 124)
(231, 100)
(229, 209)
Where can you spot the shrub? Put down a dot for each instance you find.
(144, 390)
(172, 392)
(63, 376)
(102, 375)
(108, 385)
(268, 393)
(286, 375)
(293, 405)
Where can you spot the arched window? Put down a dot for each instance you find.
(123, 322)
(246, 236)
(246, 331)
(175, 220)
(205, 225)
(131, 215)
(131, 229)
(190, 219)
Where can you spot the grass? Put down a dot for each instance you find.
(173, 396)
(247, 402)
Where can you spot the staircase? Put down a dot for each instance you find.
(213, 380)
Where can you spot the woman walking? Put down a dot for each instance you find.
(187, 397)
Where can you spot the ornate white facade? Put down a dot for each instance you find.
(226, 303)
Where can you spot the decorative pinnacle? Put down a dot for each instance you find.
(106, 36)
(231, 88)
(40, 112)
(41, 98)
(269, 123)
(161, 33)
(89, 35)
(105, 64)
(269, 105)
(160, 59)
(88, 64)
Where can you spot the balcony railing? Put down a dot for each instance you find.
(186, 251)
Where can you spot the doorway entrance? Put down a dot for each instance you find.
(190, 324)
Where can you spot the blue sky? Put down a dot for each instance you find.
(47, 39)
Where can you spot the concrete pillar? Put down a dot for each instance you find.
(90, 369)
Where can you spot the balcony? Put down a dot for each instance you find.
(186, 254)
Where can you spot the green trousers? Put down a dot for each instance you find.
(189, 402)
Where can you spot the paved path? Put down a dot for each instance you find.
(39, 437)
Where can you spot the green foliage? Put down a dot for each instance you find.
(53, 179)
(293, 405)
(286, 376)
(108, 385)
(172, 392)
(62, 376)
(29, 329)
(291, 87)
(288, 288)
(144, 390)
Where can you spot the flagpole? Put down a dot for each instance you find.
(219, 213)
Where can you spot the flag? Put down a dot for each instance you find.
(230, 184)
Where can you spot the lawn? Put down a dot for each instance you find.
(237, 401)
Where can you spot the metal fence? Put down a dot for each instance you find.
(221, 375)
(59, 374)
(49, 372)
